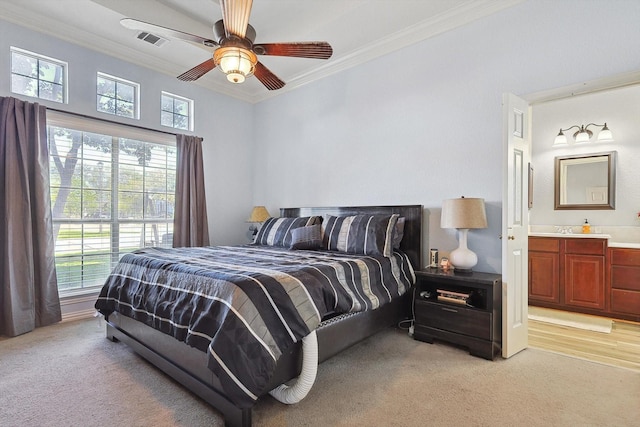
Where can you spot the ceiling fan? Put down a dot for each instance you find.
(235, 53)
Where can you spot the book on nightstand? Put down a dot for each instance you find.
(453, 297)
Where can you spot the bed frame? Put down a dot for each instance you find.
(188, 365)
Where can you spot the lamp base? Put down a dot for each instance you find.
(251, 233)
(463, 258)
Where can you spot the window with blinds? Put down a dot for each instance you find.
(112, 191)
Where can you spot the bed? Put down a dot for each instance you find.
(198, 362)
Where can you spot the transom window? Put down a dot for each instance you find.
(38, 76)
(118, 96)
(112, 191)
(176, 111)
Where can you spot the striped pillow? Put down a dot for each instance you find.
(308, 238)
(277, 231)
(360, 234)
(398, 233)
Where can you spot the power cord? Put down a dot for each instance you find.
(413, 316)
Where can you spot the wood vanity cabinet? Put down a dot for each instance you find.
(584, 273)
(624, 278)
(568, 273)
(544, 270)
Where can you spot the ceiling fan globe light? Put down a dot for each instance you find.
(236, 63)
(235, 77)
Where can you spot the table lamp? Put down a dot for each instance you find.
(259, 214)
(463, 214)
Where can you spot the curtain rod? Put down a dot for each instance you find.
(85, 116)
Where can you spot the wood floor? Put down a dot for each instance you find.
(620, 348)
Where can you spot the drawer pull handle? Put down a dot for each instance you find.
(449, 309)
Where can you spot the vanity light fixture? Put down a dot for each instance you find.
(583, 134)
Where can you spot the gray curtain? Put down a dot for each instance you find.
(190, 225)
(28, 283)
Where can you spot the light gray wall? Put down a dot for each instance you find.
(416, 126)
(425, 123)
(620, 108)
(223, 122)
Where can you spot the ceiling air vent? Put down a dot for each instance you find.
(151, 38)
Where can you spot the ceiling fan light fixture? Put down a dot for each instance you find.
(234, 49)
(236, 62)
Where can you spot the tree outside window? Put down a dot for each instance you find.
(117, 96)
(37, 76)
(110, 195)
(176, 111)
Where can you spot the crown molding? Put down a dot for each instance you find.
(439, 24)
(442, 23)
(598, 85)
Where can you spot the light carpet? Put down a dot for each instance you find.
(70, 375)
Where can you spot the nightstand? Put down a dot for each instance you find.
(464, 309)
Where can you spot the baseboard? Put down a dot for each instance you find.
(78, 315)
(572, 320)
(78, 306)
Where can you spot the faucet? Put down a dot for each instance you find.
(564, 230)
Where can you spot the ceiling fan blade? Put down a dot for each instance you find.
(319, 50)
(134, 24)
(198, 71)
(235, 15)
(267, 78)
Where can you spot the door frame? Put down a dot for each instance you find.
(581, 88)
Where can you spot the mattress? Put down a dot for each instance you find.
(247, 305)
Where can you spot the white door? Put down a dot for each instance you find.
(515, 224)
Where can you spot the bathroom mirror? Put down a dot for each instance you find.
(585, 181)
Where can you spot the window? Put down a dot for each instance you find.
(112, 191)
(176, 111)
(118, 96)
(38, 76)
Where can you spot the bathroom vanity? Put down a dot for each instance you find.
(582, 273)
(624, 281)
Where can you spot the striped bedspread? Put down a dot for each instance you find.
(245, 305)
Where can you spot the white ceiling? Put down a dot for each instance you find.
(358, 30)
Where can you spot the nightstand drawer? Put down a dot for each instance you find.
(451, 318)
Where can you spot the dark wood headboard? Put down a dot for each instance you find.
(411, 242)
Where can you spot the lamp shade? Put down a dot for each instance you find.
(463, 213)
(582, 136)
(605, 134)
(561, 139)
(258, 214)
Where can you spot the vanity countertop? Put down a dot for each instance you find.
(572, 235)
(624, 245)
(611, 244)
(617, 236)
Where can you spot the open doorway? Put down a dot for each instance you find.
(615, 100)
